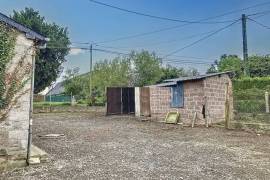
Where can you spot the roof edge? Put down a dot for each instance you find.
(190, 78)
(29, 33)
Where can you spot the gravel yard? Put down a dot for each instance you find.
(120, 147)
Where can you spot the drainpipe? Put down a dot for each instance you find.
(31, 106)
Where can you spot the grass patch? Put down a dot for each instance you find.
(48, 104)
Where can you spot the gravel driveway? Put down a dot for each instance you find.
(124, 148)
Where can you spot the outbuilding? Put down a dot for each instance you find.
(202, 97)
(205, 95)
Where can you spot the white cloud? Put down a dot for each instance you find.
(75, 51)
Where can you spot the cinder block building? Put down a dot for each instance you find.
(16, 95)
(204, 94)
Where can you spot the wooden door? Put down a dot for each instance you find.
(114, 101)
(128, 100)
(145, 101)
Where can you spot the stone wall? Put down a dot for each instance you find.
(14, 128)
(210, 92)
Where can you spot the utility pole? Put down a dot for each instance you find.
(90, 71)
(245, 49)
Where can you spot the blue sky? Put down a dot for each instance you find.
(87, 21)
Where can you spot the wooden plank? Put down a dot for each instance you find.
(145, 101)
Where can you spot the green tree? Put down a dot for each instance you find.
(259, 66)
(48, 61)
(74, 83)
(228, 63)
(170, 72)
(147, 68)
(109, 74)
(212, 69)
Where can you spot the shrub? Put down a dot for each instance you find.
(250, 83)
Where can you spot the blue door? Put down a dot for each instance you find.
(177, 95)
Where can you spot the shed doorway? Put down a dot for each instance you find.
(120, 100)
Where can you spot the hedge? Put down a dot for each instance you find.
(262, 83)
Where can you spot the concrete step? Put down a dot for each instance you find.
(37, 156)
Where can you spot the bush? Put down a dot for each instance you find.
(249, 94)
(262, 83)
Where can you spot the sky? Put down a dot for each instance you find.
(90, 22)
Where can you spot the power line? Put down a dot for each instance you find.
(179, 26)
(201, 39)
(159, 54)
(262, 25)
(156, 17)
(259, 13)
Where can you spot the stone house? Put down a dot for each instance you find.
(204, 94)
(15, 116)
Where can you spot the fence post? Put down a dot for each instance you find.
(266, 102)
(227, 108)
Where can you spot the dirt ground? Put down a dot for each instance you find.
(124, 148)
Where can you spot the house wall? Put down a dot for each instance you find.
(160, 101)
(215, 92)
(14, 128)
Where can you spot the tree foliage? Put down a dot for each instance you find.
(138, 69)
(48, 61)
(147, 68)
(170, 72)
(259, 66)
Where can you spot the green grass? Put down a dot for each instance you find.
(47, 104)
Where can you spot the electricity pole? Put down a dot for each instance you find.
(245, 49)
(90, 71)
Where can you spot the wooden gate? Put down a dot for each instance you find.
(128, 100)
(120, 100)
(145, 101)
(114, 101)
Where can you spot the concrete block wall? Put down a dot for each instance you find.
(215, 92)
(210, 92)
(160, 101)
(14, 128)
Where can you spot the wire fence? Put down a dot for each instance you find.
(251, 108)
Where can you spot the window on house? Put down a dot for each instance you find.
(177, 95)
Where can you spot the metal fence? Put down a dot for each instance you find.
(58, 98)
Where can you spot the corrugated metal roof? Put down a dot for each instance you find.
(57, 89)
(30, 34)
(163, 84)
(195, 77)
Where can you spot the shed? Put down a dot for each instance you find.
(17, 98)
(204, 94)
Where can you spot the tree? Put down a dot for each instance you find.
(170, 72)
(228, 63)
(109, 74)
(147, 69)
(74, 83)
(212, 69)
(259, 66)
(48, 61)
